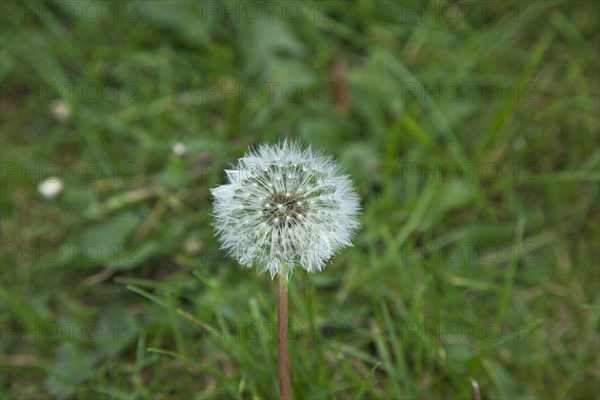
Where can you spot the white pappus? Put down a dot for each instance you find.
(285, 205)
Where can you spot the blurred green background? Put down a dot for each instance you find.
(470, 130)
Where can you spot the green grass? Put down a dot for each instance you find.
(477, 263)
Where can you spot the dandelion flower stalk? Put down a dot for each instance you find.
(285, 205)
(282, 340)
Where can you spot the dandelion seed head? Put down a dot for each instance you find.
(51, 187)
(278, 224)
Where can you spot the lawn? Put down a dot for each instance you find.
(470, 131)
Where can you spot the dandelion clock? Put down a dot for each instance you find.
(285, 206)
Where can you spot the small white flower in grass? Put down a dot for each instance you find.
(179, 149)
(285, 205)
(51, 187)
(61, 110)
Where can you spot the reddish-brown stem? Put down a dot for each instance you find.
(282, 326)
